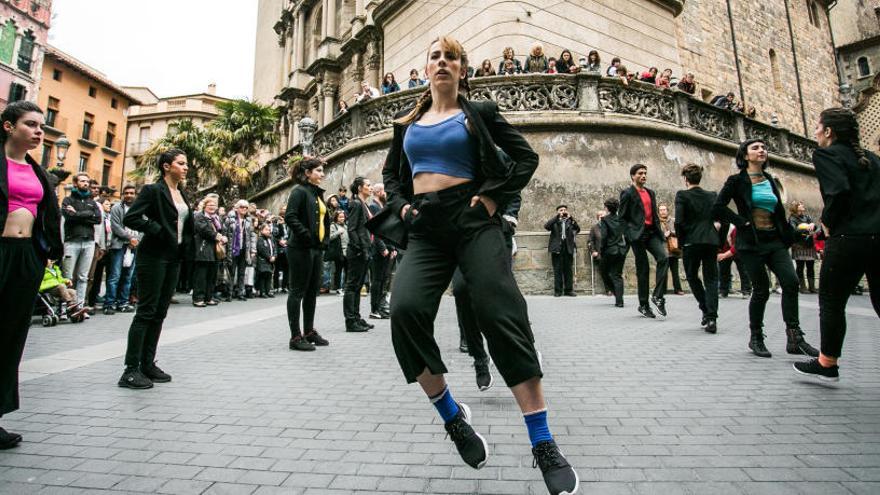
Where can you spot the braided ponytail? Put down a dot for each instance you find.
(422, 106)
(425, 100)
(843, 123)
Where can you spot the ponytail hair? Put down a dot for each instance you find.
(423, 103)
(356, 185)
(298, 172)
(843, 123)
(13, 112)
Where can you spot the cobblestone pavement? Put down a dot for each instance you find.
(638, 406)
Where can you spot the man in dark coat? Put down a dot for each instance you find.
(563, 229)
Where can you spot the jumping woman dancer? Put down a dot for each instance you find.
(849, 178)
(163, 213)
(31, 236)
(763, 236)
(444, 178)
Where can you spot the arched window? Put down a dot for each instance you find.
(26, 52)
(8, 34)
(813, 13)
(774, 70)
(864, 67)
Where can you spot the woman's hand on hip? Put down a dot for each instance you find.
(488, 202)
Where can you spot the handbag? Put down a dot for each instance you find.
(672, 245)
(220, 251)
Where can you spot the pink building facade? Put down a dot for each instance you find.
(24, 28)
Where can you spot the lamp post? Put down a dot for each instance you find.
(307, 128)
(61, 147)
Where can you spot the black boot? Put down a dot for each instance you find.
(797, 344)
(802, 285)
(756, 344)
(811, 285)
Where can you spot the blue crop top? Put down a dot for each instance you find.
(763, 197)
(443, 148)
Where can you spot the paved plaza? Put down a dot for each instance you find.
(638, 406)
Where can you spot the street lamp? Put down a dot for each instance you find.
(307, 128)
(61, 149)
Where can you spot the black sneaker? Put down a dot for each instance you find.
(471, 445)
(133, 378)
(814, 369)
(298, 343)
(375, 315)
(128, 308)
(571, 293)
(462, 346)
(8, 439)
(364, 323)
(646, 312)
(559, 476)
(108, 310)
(315, 338)
(484, 376)
(354, 326)
(711, 326)
(661, 305)
(155, 374)
(756, 344)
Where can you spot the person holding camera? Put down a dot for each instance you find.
(563, 229)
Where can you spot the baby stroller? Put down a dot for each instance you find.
(52, 308)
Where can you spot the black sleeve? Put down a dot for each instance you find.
(575, 227)
(391, 173)
(603, 237)
(136, 217)
(356, 224)
(295, 203)
(512, 207)
(835, 187)
(203, 228)
(720, 210)
(680, 217)
(525, 160)
(549, 224)
(263, 248)
(90, 215)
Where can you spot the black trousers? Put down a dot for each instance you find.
(673, 271)
(847, 259)
(305, 283)
(602, 266)
(157, 280)
(338, 267)
(614, 267)
(185, 278)
(236, 273)
(97, 278)
(204, 280)
(355, 273)
(468, 329)
(774, 256)
(445, 233)
(281, 273)
(726, 276)
(653, 244)
(378, 274)
(20, 275)
(263, 282)
(810, 266)
(705, 291)
(562, 271)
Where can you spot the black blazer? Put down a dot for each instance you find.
(378, 244)
(302, 217)
(47, 225)
(693, 217)
(266, 248)
(632, 214)
(358, 235)
(205, 237)
(851, 193)
(153, 213)
(572, 228)
(738, 188)
(497, 178)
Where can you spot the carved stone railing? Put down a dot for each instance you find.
(586, 94)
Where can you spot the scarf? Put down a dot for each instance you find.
(236, 236)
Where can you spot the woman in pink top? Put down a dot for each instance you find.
(31, 235)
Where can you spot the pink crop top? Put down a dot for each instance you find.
(25, 189)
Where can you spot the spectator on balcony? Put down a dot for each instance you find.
(551, 66)
(389, 85)
(537, 61)
(366, 93)
(565, 64)
(623, 74)
(342, 109)
(593, 62)
(510, 68)
(613, 68)
(506, 55)
(414, 80)
(485, 69)
(687, 84)
(649, 76)
(665, 79)
(727, 102)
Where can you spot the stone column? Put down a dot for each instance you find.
(324, 19)
(374, 61)
(330, 18)
(300, 41)
(329, 92)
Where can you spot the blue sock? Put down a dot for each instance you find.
(446, 405)
(536, 422)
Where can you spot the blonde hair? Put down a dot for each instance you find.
(423, 103)
(214, 198)
(537, 50)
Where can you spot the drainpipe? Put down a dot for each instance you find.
(797, 72)
(742, 94)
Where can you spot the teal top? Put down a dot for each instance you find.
(763, 197)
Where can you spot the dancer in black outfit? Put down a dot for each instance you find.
(30, 221)
(163, 213)
(445, 180)
(641, 221)
(306, 217)
(762, 239)
(849, 178)
(699, 240)
(613, 248)
(358, 255)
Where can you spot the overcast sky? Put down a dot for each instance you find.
(174, 47)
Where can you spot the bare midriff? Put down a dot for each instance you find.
(19, 223)
(762, 219)
(426, 182)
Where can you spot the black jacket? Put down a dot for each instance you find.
(47, 225)
(555, 226)
(496, 178)
(266, 248)
(358, 236)
(851, 193)
(153, 213)
(804, 238)
(205, 238)
(738, 188)
(693, 217)
(612, 241)
(80, 226)
(378, 244)
(632, 214)
(302, 217)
